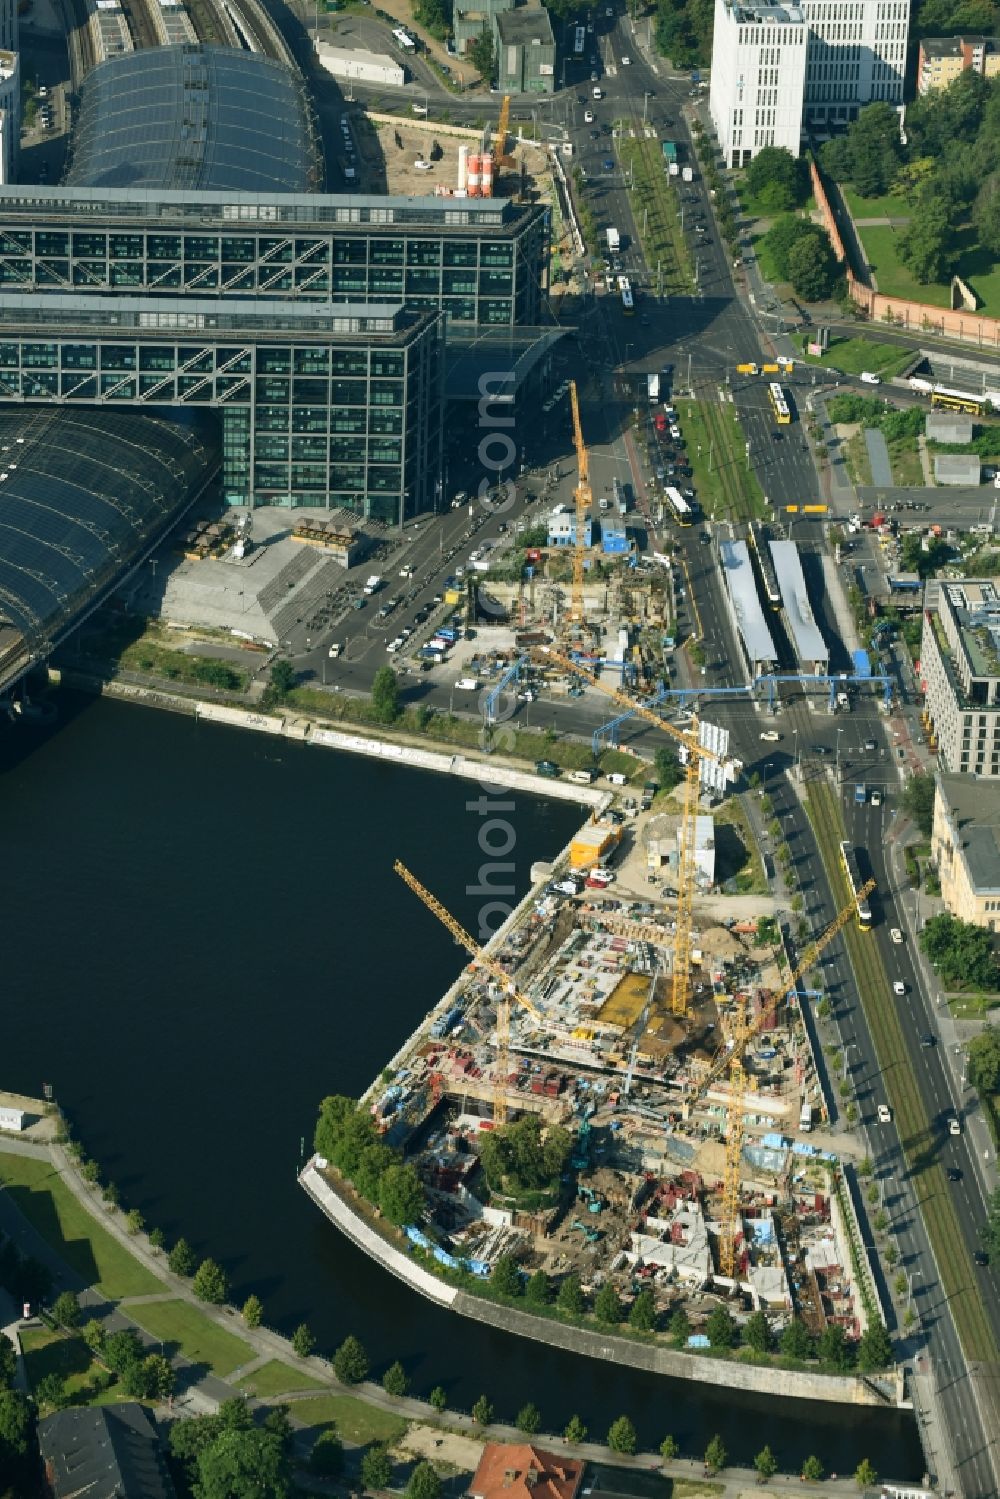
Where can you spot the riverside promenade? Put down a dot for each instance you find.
(201, 1391)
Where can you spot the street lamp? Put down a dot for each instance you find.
(839, 732)
(645, 105)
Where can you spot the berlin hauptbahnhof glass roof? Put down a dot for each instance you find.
(194, 117)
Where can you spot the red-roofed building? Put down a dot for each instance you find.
(522, 1471)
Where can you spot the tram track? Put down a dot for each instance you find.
(917, 1138)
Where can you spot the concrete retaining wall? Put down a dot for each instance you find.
(728, 1373)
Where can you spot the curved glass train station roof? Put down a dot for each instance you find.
(194, 117)
(82, 494)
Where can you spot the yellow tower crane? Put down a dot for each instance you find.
(584, 503)
(508, 989)
(730, 1058)
(503, 129)
(696, 752)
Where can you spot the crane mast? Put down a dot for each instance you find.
(508, 989)
(584, 504)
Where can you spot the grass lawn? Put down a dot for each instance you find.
(356, 1422)
(48, 1352)
(276, 1378)
(852, 355)
(694, 1488)
(855, 454)
(887, 207)
(976, 266)
(904, 456)
(733, 814)
(197, 1337)
(63, 1222)
(768, 269)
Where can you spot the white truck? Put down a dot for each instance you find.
(614, 240)
(806, 1118)
(372, 585)
(653, 388)
(687, 174)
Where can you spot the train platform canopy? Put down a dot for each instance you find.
(810, 647)
(83, 495)
(745, 600)
(195, 117)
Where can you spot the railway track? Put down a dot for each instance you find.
(916, 1136)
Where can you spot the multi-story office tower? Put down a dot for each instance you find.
(778, 69)
(960, 673)
(758, 76)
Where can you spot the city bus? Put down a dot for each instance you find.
(955, 400)
(628, 302)
(779, 405)
(849, 859)
(404, 41)
(683, 513)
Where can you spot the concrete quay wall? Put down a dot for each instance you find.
(728, 1373)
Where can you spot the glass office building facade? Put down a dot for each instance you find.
(480, 261)
(319, 406)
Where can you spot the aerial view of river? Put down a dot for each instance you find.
(204, 936)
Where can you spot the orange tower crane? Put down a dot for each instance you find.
(503, 130)
(730, 1058)
(508, 989)
(696, 753)
(584, 503)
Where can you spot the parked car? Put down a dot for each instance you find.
(867, 378)
(895, 935)
(884, 1114)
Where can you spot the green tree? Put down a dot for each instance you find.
(757, 1332)
(8, 1364)
(622, 1436)
(680, 1328)
(777, 179)
(161, 1377)
(522, 1158)
(16, 1430)
(571, 1297)
(66, 1309)
(812, 1470)
(376, 1467)
(766, 1464)
(669, 772)
(983, 1052)
(986, 213)
(303, 1343)
(870, 154)
(961, 952)
(283, 678)
(482, 55)
(327, 1456)
(385, 695)
(795, 1340)
(989, 1232)
(156, 1239)
(865, 1475)
(716, 1456)
(91, 1172)
(575, 1432)
(927, 246)
(93, 1335)
(120, 1350)
(438, 1399)
(482, 1411)
(607, 1306)
(394, 1380)
(50, 1390)
(832, 1347)
(210, 1283)
(401, 1195)
(252, 1311)
(243, 1464)
(784, 234)
(528, 1418)
(642, 1313)
(506, 1277)
(538, 1291)
(721, 1328)
(813, 268)
(423, 1483)
(134, 1221)
(669, 1449)
(182, 1259)
(874, 1348)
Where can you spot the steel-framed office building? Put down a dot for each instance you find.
(171, 269)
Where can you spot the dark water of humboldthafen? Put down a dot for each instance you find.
(204, 937)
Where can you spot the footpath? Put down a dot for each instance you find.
(433, 1434)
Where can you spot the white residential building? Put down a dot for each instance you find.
(758, 78)
(777, 69)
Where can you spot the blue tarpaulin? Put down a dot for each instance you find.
(862, 665)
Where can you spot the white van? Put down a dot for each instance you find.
(467, 684)
(597, 93)
(867, 378)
